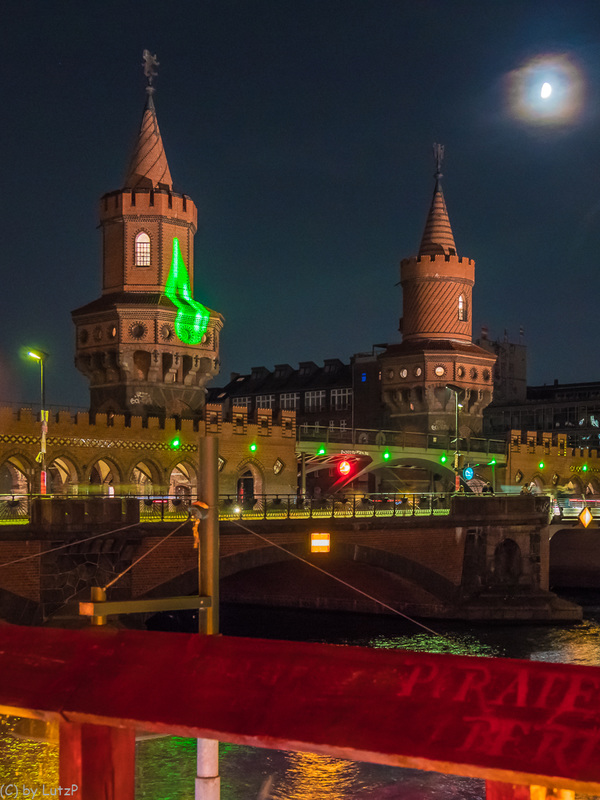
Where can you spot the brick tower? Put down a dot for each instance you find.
(146, 346)
(437, 349)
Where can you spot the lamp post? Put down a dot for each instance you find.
(456, 390)
(492, 464)
(40, 356)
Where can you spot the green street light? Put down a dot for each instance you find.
(457, 390)
(492, 464)
(41, 356)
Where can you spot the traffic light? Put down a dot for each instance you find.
(344, 468)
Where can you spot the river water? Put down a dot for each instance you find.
(166, 766)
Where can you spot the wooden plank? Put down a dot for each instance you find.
(98, 760)
(505, 720)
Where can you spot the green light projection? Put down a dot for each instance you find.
(192, 317)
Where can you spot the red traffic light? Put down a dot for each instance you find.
(344, 467)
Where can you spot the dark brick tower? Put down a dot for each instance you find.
(437, 348)
(146, 346)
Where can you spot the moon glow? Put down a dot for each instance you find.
(548, 90)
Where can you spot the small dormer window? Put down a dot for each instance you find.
(142, 250)
(462, 308)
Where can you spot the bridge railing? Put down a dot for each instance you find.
(16, 509)
(402, 439)
(334, 507)
(85, 511)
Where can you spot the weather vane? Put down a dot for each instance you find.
(150, 61)
(438, 154)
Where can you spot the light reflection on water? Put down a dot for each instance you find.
(165, 767)
(293, 776)
(28, 753)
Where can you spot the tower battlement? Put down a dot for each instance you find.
(439, 258)
(155, 202)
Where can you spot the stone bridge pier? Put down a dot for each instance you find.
(488, 559)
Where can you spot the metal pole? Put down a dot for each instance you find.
(208, 782)
(456, 445)
(208, 552)
(302, 476)
(44, 424)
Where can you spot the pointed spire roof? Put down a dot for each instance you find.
(437, 236)
(148, 167)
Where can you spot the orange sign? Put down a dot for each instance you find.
(585, 517)
(320, 542)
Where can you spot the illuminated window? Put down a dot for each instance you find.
(314, 401)
(142, 250)
(341, 399)
(265, 401)
(462, 308)
(241, 401)
(289, 401)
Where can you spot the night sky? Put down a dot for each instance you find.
(303, 129)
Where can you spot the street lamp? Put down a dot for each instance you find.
(492, 464)
(40, 356)
(457, 390)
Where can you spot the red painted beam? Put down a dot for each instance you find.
(98, 760)
(505, 720)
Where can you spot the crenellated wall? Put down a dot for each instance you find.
(77, 443)
(546, 459)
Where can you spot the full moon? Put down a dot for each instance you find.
(546, 91)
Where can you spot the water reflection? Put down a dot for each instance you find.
(292, 776)
(28, 753)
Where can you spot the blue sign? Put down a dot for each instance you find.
(468, 473)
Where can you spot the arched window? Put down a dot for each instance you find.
(142, 250)
(462, 308)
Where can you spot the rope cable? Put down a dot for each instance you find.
(133, 563)
(343, 582)
(68, 544)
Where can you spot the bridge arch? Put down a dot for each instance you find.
(16, 473)
(182, 478)
(104, 472)
(145, 476)
(250, 469)
(64, 474)
(255, 557)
